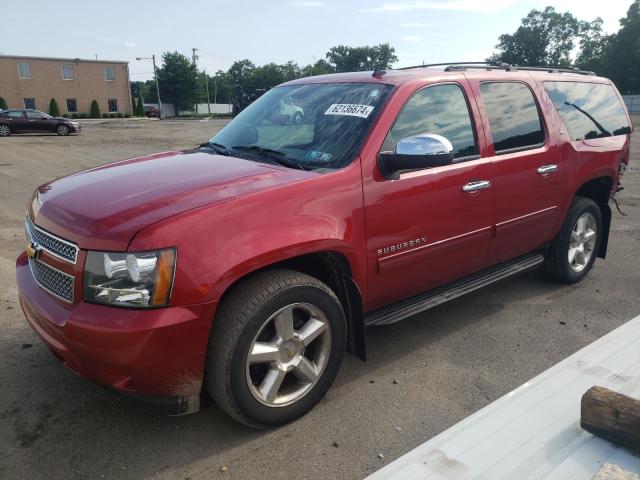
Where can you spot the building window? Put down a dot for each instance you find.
(113, 104)
(109, 74)
(67, 72)
(30, 103)
(24, 70)
(72, 106)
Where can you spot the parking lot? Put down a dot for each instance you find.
(422, 375)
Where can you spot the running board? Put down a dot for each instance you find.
(406, 308)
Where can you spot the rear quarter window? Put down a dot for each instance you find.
(588, 110)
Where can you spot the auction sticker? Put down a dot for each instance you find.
(352, 110)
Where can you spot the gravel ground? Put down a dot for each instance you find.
(423, 374)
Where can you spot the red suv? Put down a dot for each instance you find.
(250, 265)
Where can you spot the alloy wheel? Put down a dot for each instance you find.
(582, 242)
(288, 355)
(4, 131)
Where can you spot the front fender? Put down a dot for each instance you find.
(221, 243)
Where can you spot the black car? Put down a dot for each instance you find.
(29, 121)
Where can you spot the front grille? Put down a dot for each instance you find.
(52, 244)
(54, 281)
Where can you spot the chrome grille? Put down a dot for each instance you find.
(50, 243)
(54, 281)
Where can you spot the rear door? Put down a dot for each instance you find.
(17, 120)
(528, 168)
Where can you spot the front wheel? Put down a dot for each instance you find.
(62, 130)
(575, 248)
(297, 118)
(5, 130)
(275, 349)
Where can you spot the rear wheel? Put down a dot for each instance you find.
(276, 347)
(5, 130)
(62, 130)
(574, 250)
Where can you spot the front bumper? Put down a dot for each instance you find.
(156, 354)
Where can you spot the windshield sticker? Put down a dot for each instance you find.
(362, 111)
(322, 157)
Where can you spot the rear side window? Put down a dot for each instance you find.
(513, 116)
(588, 110)
(439, 109)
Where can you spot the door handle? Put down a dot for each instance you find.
(476, 185)
(544, 169)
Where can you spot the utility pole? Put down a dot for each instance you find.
(215, 90)
(206, 84)
(155, 74)
(194, 57)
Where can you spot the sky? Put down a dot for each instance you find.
(271, 30)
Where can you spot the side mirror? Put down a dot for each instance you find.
(415, 153)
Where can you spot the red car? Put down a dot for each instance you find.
(151, 112)
(252, 263)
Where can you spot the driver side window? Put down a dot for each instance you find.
(438, 109)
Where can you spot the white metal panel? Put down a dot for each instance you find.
(534, 431)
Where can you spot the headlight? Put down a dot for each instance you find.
(130, 279)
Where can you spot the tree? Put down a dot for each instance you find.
(54, 111)
(242, 73)
(621, 53)
(320, 67)
(593, 45)
(178, 80)
(3, 104)
(544, 38)
(356, 59)
(95, 109)
(138, 110)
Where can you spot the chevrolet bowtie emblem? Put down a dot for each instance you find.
(33, 250)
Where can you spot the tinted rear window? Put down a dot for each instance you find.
(588, 110)
(513, 115)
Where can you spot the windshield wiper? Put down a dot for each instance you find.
(270, 154)
(217, 147)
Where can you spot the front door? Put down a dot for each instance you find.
(38, 122)
(431, 226)
(529, 171)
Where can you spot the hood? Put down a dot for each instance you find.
(105, 207)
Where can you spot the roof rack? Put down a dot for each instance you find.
(457, 66)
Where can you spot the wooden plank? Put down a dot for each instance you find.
(612, 416)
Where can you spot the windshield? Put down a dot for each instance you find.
(313, 126)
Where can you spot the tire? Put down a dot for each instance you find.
(5, 130)
(246, 322)
(575, 248)
(62, 130)
(297, 118)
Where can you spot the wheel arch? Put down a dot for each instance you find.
(333, 269)
(599, 190)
